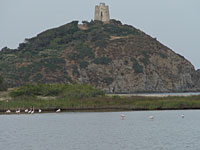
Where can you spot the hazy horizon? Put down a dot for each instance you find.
(174, 23)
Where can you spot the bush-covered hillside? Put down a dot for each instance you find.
(114, 57)
(38, 59)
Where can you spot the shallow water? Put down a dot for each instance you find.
(101, 131)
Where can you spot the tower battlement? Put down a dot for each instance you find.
(102, 13)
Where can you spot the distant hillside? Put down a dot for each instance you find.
(114, 57)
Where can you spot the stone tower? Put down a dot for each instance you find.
(102, 13)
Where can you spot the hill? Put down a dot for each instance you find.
(115, 57)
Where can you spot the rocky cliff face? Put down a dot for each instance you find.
(141, 65)
(114, 57)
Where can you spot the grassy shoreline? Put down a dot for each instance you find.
(104, 103)
(50, 97)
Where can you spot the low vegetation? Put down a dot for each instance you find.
(163, 55)
(81, 51)
(84, 97)
(145, 59)
(102, 60)
(136, 66)
(3, 86)
(76, 91)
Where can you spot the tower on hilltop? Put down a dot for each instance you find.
(102, 13)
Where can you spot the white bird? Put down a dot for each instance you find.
(182, 116)
(32, 112)
(8, 111)
(151, 117)
(18, 111)
(26, 110)
(39, 110)
(29, 111)
(122, 116)
(59, 110)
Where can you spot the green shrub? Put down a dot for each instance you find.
(145, 53)
(63, 90)
(37, 77)
(101, 43)
(98, 35)
(108, 80)
(116, 22)
(75, 70)
(3, 85)
(73, 56)
(145, 59)
(82, 51)
(119, 30)
(102, 60)
(83, 64)
(80, 35)
(163, 55)
(38, 90)
(78, 91)
(136, 66)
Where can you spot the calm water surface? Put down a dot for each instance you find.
(101, 131)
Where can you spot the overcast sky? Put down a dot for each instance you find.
(175, 23)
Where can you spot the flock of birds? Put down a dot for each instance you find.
(31, 111)
(150, 117)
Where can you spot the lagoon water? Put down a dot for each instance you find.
(101, 131)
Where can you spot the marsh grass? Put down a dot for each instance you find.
(102, 102)
(50, 97)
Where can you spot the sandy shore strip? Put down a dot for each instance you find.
(155, 94)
